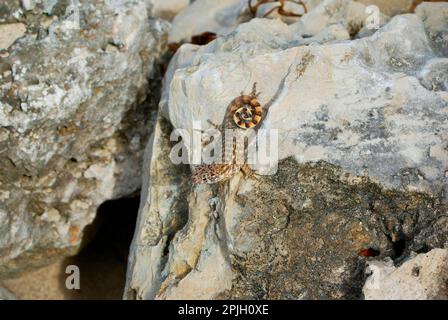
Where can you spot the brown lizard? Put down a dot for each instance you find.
(244, 112)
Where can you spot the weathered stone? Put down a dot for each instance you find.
(73, 122)
(391, 7)
(28, 4)
(263, 10)
(435, 18)
(361, 125)
(423, 277)
(363, 160)
(163, 212)
(5, 294)
(224, 16)
(167, 9)
(352, 15)
(9, 33)
(434, 76)
(220, 17)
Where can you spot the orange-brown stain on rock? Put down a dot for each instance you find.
(73, 235)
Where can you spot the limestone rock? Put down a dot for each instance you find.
(263, 10)
(354, 16)
(362, 161)
(391, 7)
(223, 17)
(73, 120)
(361, 172)
(434, 76)
(220, 17)
(163, 212)
(167, 9)
(422, 277)
(9, 33)
(5, 294)
(435, 18)
(359, 118)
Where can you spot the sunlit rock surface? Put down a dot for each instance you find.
(362, 173)
(74, 119)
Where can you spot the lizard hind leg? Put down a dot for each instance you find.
(249, 173)
(213, 173)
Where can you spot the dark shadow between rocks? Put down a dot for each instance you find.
(102, 262)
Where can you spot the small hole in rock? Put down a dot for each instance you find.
(103, 259)
(166, 250)
(399, 246)
(416, 271)
(424, 249)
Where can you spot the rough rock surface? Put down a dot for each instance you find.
(391, 7)
(435, 17)
(167, 9)
(207, 15)
(222, 17)
(363, 160)
(73, 119)
(423, 277)
(6, 294)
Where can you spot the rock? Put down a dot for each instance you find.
(423, 277)
(361, 171)
(434, 76)
(435, 18)
(9, 33)
(28, 4)
(224, 16)
(264, 8)
(391, 7)
(360, 142)
(167, 9)
(5, 294)
(220, 17)
(352, 15)
(163, 212)
(73, 121)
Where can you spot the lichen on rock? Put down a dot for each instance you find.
(74, 118)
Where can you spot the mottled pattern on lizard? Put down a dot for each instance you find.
(244, 112)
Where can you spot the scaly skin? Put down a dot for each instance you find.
(243, 112)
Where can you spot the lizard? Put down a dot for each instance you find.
(244, 112)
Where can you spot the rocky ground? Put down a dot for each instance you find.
(356, 207)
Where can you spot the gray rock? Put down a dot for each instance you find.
(352, 15)
(223, 17)
(295, 8)
(163, 212)
(5, 294)
(435, 18)
(220, 17)
(167, 9)
(434, 76)
(391, 7)
(361, 172)
(423, 277)
(357, 123)
(73, 121)
(9, 33)
(28, 4)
